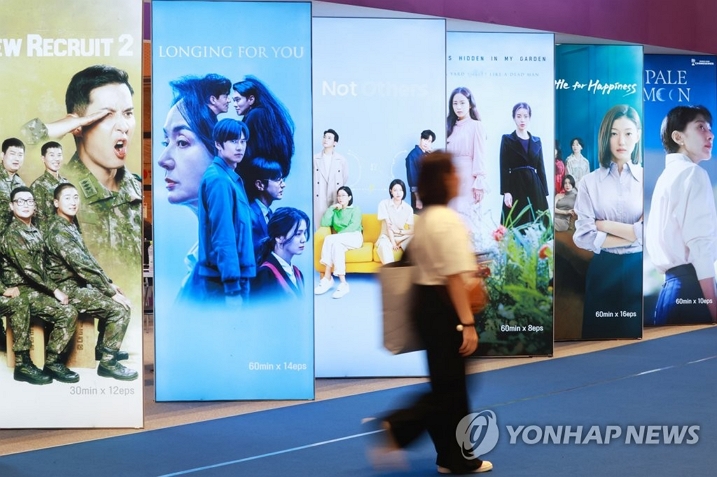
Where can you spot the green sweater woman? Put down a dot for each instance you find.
(345, 220)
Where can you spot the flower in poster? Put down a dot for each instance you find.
(499, 233)
(520, 288)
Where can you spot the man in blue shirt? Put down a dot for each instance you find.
(413, 163)
(226, 253)
(264, 185)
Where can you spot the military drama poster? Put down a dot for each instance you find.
(72, 214)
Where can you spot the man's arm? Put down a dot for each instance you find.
(65, 246)
(220, 202)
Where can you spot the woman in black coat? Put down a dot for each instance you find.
(522, 172)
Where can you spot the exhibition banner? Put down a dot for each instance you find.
(499, 127)
(598, 238)
(232, 200)
(374, 95)
(71, 240)
(678, 250)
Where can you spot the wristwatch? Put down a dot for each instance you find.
(461, 326)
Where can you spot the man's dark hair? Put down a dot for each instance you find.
(58, 190)
(216, 85)
(19, 189)
(12, 142)
(260, 169)
(229, 130)
(49, 145)
(428, 134)
(336, 135)
(83, 83)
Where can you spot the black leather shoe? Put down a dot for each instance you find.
(61, 372)
(116, 370)
(119, 355)
(30, 373)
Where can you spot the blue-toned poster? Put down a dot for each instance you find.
(599, 210)
(681, 238)
(71, 268)
(375, 96)
(499, 128)
(232, 201)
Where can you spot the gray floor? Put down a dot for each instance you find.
(161, 415)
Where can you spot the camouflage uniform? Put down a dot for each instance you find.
(7, 184)
(111, 222)
(9, 307)
(43, 189)
(70, 264)
(22, 252)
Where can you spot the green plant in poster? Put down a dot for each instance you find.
(519, 320)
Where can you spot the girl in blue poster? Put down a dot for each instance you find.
(682, 226)
(522, 172)
(609, 210)
(277, 279)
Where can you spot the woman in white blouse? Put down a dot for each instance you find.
(681, 235)
(609, 210)
(576, 164)
(396, 218)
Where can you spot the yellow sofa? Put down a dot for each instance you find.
(360, 260)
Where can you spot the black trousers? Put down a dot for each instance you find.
(440, 410)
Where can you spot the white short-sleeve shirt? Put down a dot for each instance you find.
(401, 217)
(440, 246)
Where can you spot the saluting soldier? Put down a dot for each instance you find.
(91, 291)
(44, 186)
(22, 250)
(111, 217)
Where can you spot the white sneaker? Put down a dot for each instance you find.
(341, 290)
(324, 286)
(484, 467)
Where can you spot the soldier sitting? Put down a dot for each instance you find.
(22, 252)
(90, 290)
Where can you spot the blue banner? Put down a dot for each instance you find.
(233, 300)
(377, 93)
(598, 248)
(671, 81)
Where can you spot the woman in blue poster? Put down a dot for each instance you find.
(522, 172)
(682, 226)
(609, 210)
(188, 145)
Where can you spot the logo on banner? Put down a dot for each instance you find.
(696, 62)
(477, 434)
